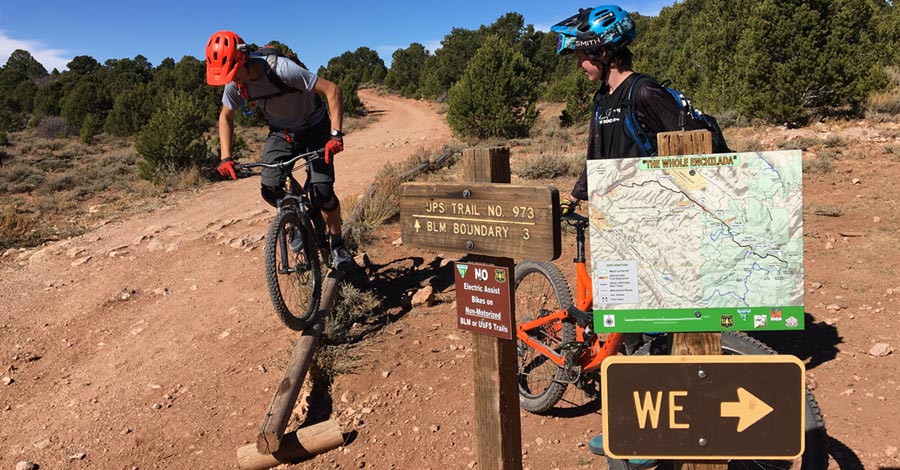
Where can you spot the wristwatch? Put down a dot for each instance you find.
(336, 133)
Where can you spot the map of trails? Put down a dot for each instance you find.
(697, 243)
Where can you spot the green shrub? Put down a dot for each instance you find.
(174, 139)
(131, 111)
(90, 127)
(579, 99)
(353, 106)
(496, 95)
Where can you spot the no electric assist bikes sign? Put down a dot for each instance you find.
(483, 299)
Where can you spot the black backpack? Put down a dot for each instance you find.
(688, 112)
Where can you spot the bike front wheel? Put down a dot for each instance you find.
(540, 290)
(293, 272)
(815, 454)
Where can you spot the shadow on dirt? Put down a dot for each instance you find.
(374, 112)
(818, 342)
(394, 284)
(566, 409)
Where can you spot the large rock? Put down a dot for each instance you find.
(425, 296)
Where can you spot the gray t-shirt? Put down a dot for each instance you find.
(290, 111)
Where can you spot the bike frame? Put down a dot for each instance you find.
(595, 348)
(297, 197)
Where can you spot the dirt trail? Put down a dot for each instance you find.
(151, 341)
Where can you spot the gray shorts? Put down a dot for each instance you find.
(281, 145)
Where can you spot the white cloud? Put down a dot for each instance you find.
(48, 57)
(433, 45)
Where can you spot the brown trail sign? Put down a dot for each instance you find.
(487, 219)
(493, 223)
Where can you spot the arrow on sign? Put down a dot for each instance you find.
(417, 226)
(748, 409)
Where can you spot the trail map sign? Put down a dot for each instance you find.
(697, 243)
(703, 407)
(505, 220)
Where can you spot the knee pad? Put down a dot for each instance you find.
(325, 197)
(271, 194)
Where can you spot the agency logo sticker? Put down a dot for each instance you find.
(775, 314)
(500, 276)
(462, 268)
(609, 320)
(743, 312)
(792, 322)
(726, 321)
(759, 321)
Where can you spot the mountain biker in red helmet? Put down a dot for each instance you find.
(291, 99)
(599, 37)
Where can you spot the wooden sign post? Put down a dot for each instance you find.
(497, 421)
(493, 221)
(691, 143)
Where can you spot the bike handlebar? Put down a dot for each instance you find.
(246, 169)
(574, 218)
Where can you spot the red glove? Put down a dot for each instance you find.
(226, 168)
(333, 147)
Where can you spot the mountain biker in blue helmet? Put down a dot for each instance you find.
(599, 37)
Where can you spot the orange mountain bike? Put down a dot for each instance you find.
(557, 347)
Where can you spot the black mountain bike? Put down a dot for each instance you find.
(296, 245)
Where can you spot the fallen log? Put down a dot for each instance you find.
(269, 439)
(302, 444)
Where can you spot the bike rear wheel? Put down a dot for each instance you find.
(540, 290)
(815, 454)
(293, 276)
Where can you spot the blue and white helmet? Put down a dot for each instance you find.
(592, 28)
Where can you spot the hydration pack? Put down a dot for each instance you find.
(272, 54)
(647, 145)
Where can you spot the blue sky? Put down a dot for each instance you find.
(55, 31)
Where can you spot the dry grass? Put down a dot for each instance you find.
(887, 103)
(384, 202)
(353, 306)
(550, 166)
(356, 123)
(885, 106)
(71, 185)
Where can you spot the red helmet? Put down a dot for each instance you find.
(224, 55)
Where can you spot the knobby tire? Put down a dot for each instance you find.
(295, 284)
(541, 289)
